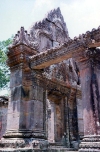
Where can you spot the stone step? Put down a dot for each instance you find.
(61, 149)
(38, 150)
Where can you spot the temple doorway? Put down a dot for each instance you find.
(56, 117)
(59, 122)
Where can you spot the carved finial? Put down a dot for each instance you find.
(15, 39)
(18, 32)
(80, 36)
(21, 38)
(70, 41)
(88, 32)
(93, 29)
(28, 36)
(21, 35)
(99, 27)
(75, 38)
(58, 9)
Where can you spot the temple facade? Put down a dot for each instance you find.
(55, 93)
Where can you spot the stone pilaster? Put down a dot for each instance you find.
(80, 113)
(88, 64)
(51, 137)
(25, 122)
(73, 119)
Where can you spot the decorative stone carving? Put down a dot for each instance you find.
(93, 55)
(43, 35)
(66, 71)
(21, 144)
(50, 32)
(66, 50)
(32, 83)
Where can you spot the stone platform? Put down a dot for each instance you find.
(31, 145)
(38, 150)
(62, 150)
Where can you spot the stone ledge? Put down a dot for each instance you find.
(38, 150)
(62, 150)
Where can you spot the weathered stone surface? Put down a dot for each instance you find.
(3, 114)
(45, 111)
(50, 32)
(41, 105)
(66, 50)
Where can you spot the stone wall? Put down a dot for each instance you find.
(3, 114)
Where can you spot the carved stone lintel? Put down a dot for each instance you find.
(49, 84)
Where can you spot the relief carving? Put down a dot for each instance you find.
(93, 55)
(52, 28)
(66, 71)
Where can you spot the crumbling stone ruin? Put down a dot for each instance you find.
(55, 93)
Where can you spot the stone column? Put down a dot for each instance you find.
(25, 121)
(51, 135)
(88, 63)
(80, 113)
(73, 119)
(97, 95)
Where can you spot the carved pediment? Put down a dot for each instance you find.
(50, 32)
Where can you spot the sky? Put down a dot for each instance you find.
(79, 15)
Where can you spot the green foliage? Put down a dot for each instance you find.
(4, 70)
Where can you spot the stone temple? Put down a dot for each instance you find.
(54, 104)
